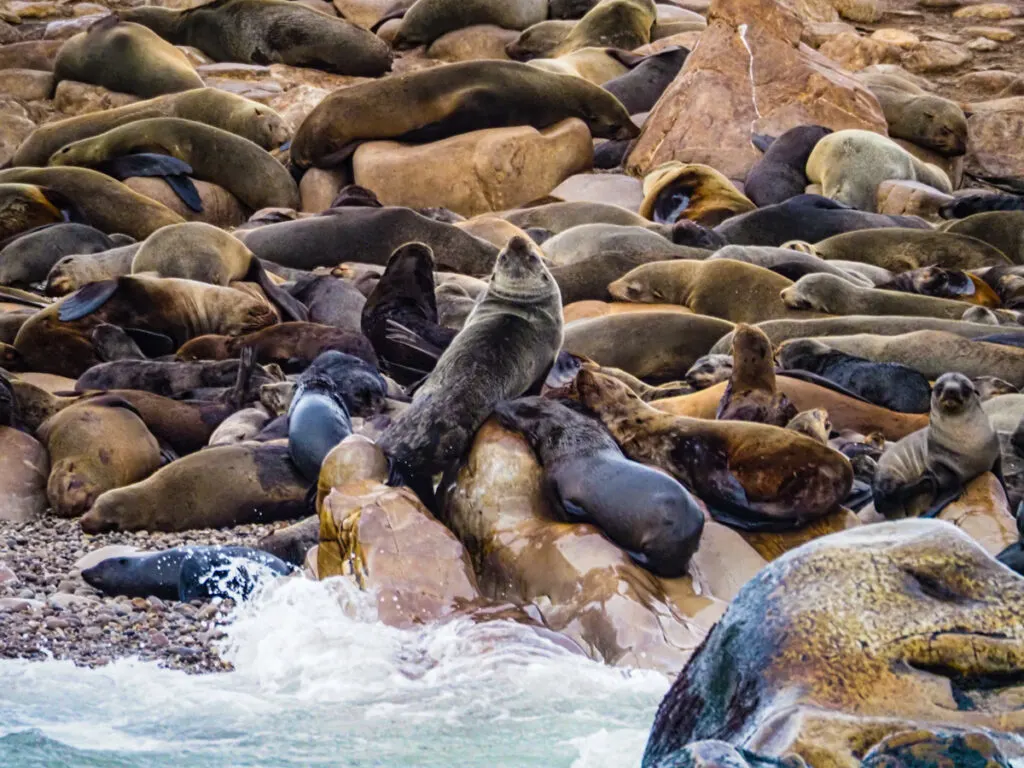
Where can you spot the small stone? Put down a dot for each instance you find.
(7, 576)
(207, 612)
(864, 11)
(87, 9)
(26, 594)
(141, 603)
(68, 585)
(18, 605)
(998, 34)
(992, 11)
(70, 602)
(936, 56)
(92, 632)
(898, 37)
(54, 623)
(156, 604)
(158, 640)
(983, 44)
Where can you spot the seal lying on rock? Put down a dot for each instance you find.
(647, 513)
(780, 174)
(752, 394)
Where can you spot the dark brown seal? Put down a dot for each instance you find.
(751, 394)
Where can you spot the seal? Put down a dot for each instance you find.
(270, 32)
(428, 20)
(558, 217)
(25, 207)
(331, 301)
(248, 119)
(623, 244)
(937, 462)
(751, 476)
(452, 99)
(810, 218)
(793, 264)
(29, 257)
(814, 423)
(588, 480)
(105, 203)
(780, 174)
(191, 492)
(730, 290)
(900, 250)
(160, 573)
(238, 165)
(72, 272)
(708, 371)
(596, 65)
(1000, 229)
(927, 120)
(318, 420)
(539, 40)
(835, 296)
(675, 190)
(850, 164)
(95, 446)
(945, 284)
(125, 57)
(890, 385)
(752, 394)
(623, 24)
(160, 377)
(522, 307)
(639, 89)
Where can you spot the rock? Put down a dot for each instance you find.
(74, 98)
(7, 576)
(481, 41)
(724, 562)
(254, 90)
(816, 34)
(393, 546)
(34, 54)
(65, 28)
(852, 638)
(771, 546)
(581, 584)
(895, 69)
(27, 11)
(812, 11)
(748, 80)
(478, 172)
(14, 129)
(983, 513)
(853, 52)
(911, 198)
(863, 11)
(364, 13)
(936, 56)
(26, 84)
(988, 11)
(929, 748)
(983, 44)
(295, 103)
(158, 640)
(943, 4)
(319, 187)
(614, 188)
(999, 34)
(88, 9)
(234, 71)
(24, 471)
(97, 556)
(686, 40)
(220, 207)
(19, 605)
(995, 128)
(69, 602)
(898, 37)
(353, 459)
(992, 83)
(195, 57)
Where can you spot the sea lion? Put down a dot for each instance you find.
(623, 24)
(72, 272)
(24, 207)
(899, 250)
(452, 99)
(791, 264)
(522, 308)
(730, 290)
(192, 493)
(367, 235)
(293, 346)
(162, 574)
(248, 119)
(105, 203)
(850, 164)
(162, 377)
(890, 385)
(811, 218)
(835, 296)
(751, 394)
(814, 423)
(428, 20)
(95, 446)
(29, 258)
(614, 243)
(780, 174)
(692, 191)
(270, 32)
(707, 371)
(944, 284)
(958, 445)
(647, 513)
(639, 89)
(127, 58)
(243, 168)
(751, 476)
(1000, 229)
(927, 120)
(318, 420)
(330, 301)
(539, 40)
(673, 342)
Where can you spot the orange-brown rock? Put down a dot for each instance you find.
(26, 84)
(995, 148)
(319, 188)
(749, 74)
(773, 545)
(14, 129)
(853, 52)
(936, 56)
(73, 98)
(581, 584)
(353, 460)
(24, 469)
(983, 513)
(724, 562)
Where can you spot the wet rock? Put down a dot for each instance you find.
(748, 75)
(74, 98)
(935, 749)
(24, 470)
(983, 513)
(936, 56)
(995, 128)
(911, 198)
(724, 562)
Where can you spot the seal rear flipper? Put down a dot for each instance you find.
(151, 343)
(400, 334)
(290, 307)
(87, 300)
(186, 191)
(762, 141)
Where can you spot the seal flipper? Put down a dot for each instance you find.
(87, 300)
(18, 296)
(151, 343)
(186, 191)
(156, 164)
(762, 141)
(290, 307)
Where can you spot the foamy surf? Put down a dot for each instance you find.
(318, 681)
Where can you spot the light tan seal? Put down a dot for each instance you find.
(901, 250)
(926, 120)
(691, 191)
(624, 24)
(427, 20)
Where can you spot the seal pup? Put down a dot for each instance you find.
(292, 346)
(751, 394)
(428, 20)
(814, 423)
(645, 512)
(937, 462)
(751, 476)
(30, 256)
(452, 99)
(890, 385)
(708, 371)
(780, 174)
(523, 309)
(160, 573)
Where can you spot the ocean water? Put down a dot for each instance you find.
(319, 682)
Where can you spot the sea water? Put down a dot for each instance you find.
(319, 682)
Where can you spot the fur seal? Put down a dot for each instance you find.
(752, 394)
(1000, 229)
(811, 218)
(814, 423)
(30, 257)
(647, 513)
(927, 120)
(850, 164)
(899, 250)
(752, 476)
(25, 207)
(639, 89)
(958, 445)
(623, 24)
(318, 420)
(105, 203)
(944, 284)
(244, 169)
(791, 264)
(331, 301)
(367, 235)
(539, 40)
(596, 65)
(192, 493)
(452, 99)
(72, 272)
(160, 574)
(95, 446)
(675, 190)
(357, 382)
(127, 58)
(780, 174)
(522, 308)
(708, 371)
(558, 217)
(890, 385)
(428, 20)
(212, 106)
(161, 377)
(270, 32)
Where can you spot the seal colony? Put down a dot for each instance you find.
(598, 406)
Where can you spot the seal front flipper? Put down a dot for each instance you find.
(151, 164)
(762, 141)
(87, 300)
(151, 343)
(290, 307)
(407, 337)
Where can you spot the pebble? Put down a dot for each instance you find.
(983, 44)
(991, 11)
(992, 33)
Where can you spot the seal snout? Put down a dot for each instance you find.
(952, 391)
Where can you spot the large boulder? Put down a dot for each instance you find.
(995, 128)
(24, 470)
(749, 74)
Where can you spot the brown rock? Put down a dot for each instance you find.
(581, 584)
(14, 129)
(990, 11)
(195, 57)
(901, 38)
(34, 54)
(490, 170)
(995, 127)
(853, 52)
(65, 28)
(26, 11)
(24, 470)
(220, 207)
(863, 11)
(354, 459)
(88, 9)
(7, 576)
(748, 74)
(687, 40)
(999, 34)
(74, 98)
(724, 562)
(936, 56)
(983, 513)
(983, 45)
(481, 41)
(319, 187)
(295, 103)
(991, 83)
(911, 198)
(364, 13)
(773, 545)
(26, 84)
(813, 11)
(816, 34)
(613, 188)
